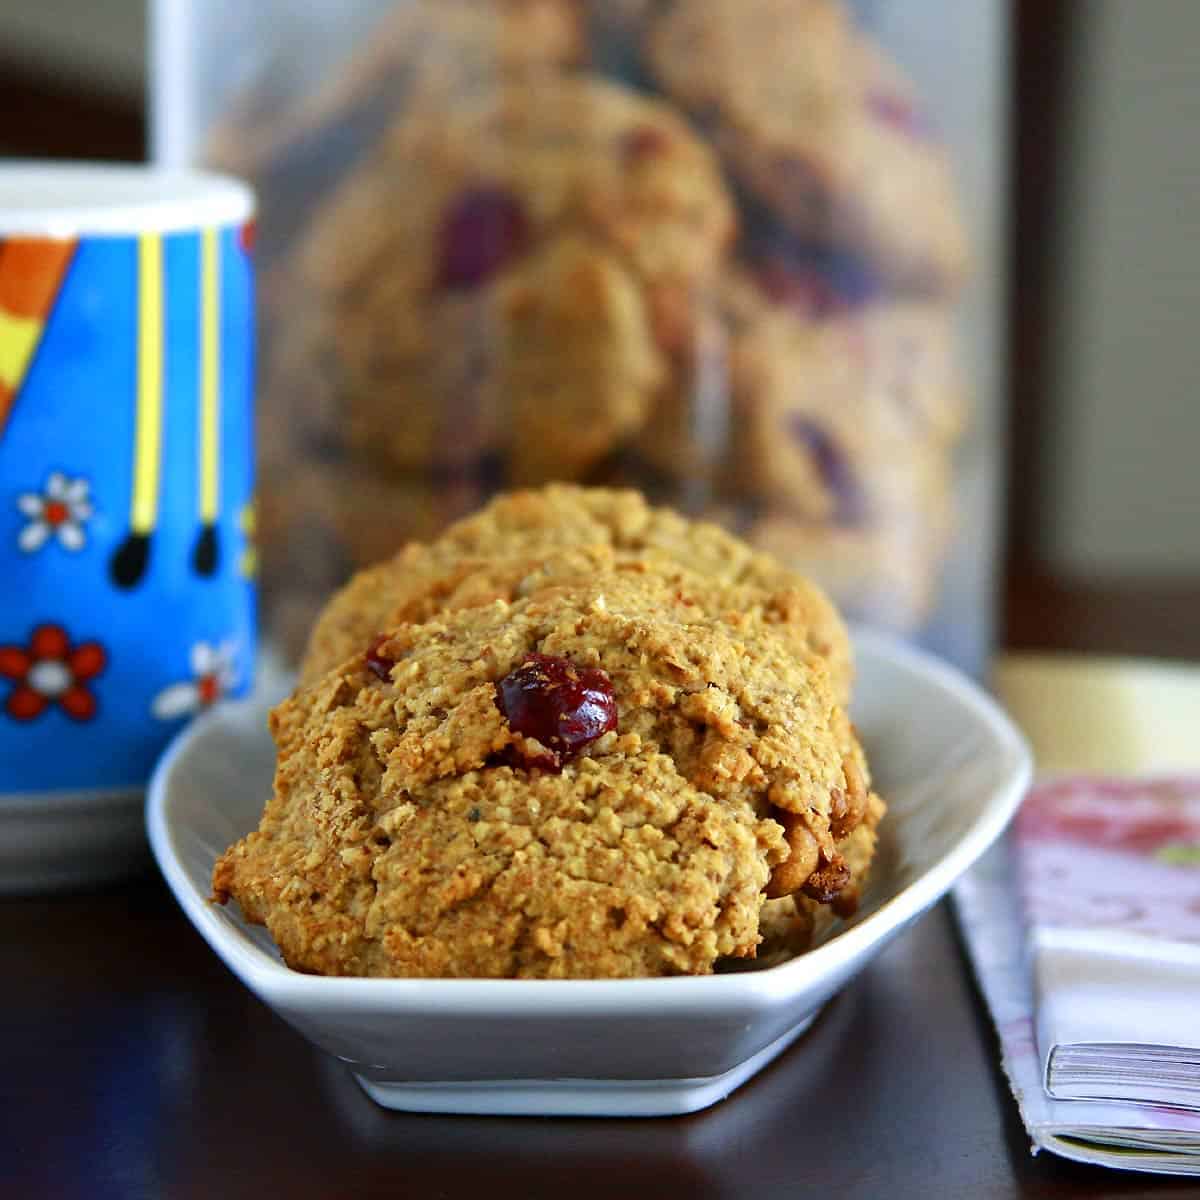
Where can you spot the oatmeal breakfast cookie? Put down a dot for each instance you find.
(819, 126)
(597, 779)
(297, 143)
(533, 239)
(522, 540)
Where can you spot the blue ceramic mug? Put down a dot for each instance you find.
(126, 485)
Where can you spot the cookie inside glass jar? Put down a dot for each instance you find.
(711, 249)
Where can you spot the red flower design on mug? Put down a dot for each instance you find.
(51, 671)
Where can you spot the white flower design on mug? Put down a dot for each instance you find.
(60, 511)
(214, 673)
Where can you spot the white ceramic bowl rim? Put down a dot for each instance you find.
(680, 993)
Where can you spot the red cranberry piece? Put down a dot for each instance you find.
(483, 230)
(801, 179)
(563, 706)
(806, 291)
(816, 281)
(642, 142)
(850, 505)
(898, 112)
(379, 664)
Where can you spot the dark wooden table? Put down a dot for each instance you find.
(134, 1065)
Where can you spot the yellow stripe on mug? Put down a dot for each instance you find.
(18, 339)
(133, 555)
(206, 554)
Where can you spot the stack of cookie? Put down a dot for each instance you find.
(707, 247)
(846, 405)
(575, 737)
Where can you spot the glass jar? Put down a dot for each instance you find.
(743, 255)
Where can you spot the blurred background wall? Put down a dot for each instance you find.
(72, 78)
(95, 44)
(1120, 462)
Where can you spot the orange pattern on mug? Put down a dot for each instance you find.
(32, 271)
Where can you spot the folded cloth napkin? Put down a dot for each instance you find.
(1083, 925)
(1109, 872)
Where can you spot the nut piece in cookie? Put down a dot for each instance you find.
(796, 923)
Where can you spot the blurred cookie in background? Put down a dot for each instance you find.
(885, 573)
(828, 407)
(815, 122)
(541, 236)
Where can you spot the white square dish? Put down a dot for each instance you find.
(950, 764)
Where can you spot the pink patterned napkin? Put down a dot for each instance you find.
(1112, 854)
(1084, 929)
